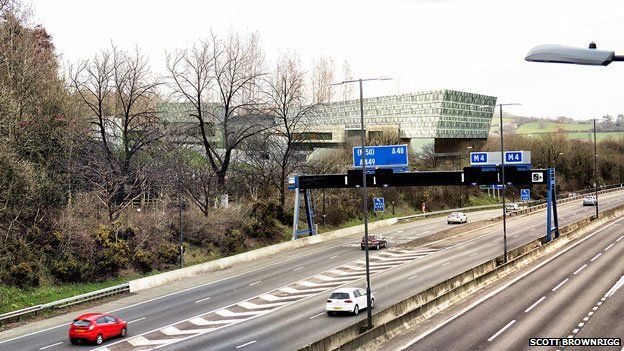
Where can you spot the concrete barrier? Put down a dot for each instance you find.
(400, 316)
(226, 262)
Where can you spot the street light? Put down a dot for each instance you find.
(578, 56)
(502, 151)
(572, 55)
(595, 169)
(364, 195)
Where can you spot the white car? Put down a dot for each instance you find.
(590, 201)
(350, 300)
(457, 217)
(512, 206)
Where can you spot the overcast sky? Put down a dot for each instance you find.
(469, 45)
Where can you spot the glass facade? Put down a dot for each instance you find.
(430, 114)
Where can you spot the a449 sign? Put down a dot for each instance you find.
(381, 156)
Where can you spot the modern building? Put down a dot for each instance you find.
(449, 120)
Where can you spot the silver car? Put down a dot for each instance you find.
(457, 217)
(590, 201)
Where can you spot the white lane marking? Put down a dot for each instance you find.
(334, 256)
(399, 231)
(412, 277)
(47, 347)
(136, 320)
(575, 331)
(560, 284)
(202, 322)
(227, 313)
(426, 231)
(202, 300)
(474, 253)
(615, 287)
(585, 319)
(620, 238)
(513, 281)
(532, 229)
(446, 263)
(317, 315)
(580, 325)
(141, 341)
(254, 283)
(271, 298)
(246, 344)
(298, 268)
(535, 304)
(515, 236)
(590, 314)
(254, 306)
(595, 257)
(502, 330)
(580, 269)
(608, 247)
(173, 331)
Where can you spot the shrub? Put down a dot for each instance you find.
(23, 275)
(68, 270)
(143, 261)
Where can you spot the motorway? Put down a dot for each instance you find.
(575, 294)
(278, 303)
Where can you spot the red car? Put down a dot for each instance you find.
(96, 327)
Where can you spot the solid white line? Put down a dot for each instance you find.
(254, 283)
(522, 276)
(46, 347)
(247, 344)
(580, 269)
(412, 277)
(502, 330)
(202, 300)
(535, 304)
(608, 247)
(595, 257)
(620, 238)
(317, 315)
(296, 269)
(560, 284)
(136, 320)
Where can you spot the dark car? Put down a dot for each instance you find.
(96, 327)
(377, 241)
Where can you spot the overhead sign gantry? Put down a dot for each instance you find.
(485, 171)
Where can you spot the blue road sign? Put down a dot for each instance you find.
(513, 157)
(478, 158)
(525, 194)
(379, 204)
(381, 156)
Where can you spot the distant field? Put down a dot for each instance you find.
(587, 136)
(549, 127)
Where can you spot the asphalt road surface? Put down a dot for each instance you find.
(576, 294)
(278, 303)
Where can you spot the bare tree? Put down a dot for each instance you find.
(322, 78)
(228, 72)
(120, 93)
(286, 101)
